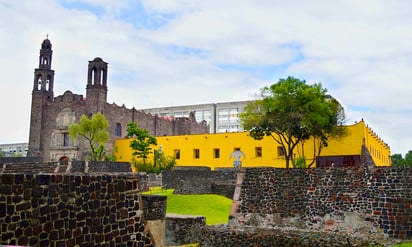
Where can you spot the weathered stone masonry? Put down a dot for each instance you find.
(200, 180)
(222, 236)
(381, 195)
(184, 229)
(71, 210)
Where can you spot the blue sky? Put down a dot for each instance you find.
(169, 53)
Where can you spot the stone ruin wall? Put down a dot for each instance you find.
(325, 207)
(68, 209)
(200, 180)
(72, 210)
(14, 160)
(381, 195)
(27, 166)
(184, 229)
(221, 236)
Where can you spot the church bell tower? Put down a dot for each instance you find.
(44, 75)
(42, 94)
(96, 90)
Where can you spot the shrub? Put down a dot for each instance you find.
(300, 162)
(141, 166)
(161, 162)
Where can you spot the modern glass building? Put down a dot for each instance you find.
(14, 149)
(222, 117)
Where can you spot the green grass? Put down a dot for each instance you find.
(215, 208)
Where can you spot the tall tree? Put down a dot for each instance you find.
(326, 125)
(142, 141)
(292, 112)
(397, 160)
(94, 131)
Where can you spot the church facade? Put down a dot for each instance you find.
(51, 116)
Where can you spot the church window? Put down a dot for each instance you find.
(101, 74)
(48, 83)
(39, 83)
(94, 76)
(65, 139)
(118, 130)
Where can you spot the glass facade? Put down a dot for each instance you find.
(228, 120)
(14, 149)
(221, 117)
(203, 115)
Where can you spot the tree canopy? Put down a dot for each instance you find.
(94, 131)
(141, 142)
(291, 112)
(398, 160)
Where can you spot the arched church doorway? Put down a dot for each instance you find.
(64, 160)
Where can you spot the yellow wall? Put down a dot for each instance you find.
(228, 142)
(378, 149)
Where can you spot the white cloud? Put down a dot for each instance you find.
(164, 53)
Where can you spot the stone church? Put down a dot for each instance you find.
(51, 116)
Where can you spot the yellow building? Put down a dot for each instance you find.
(218, 150)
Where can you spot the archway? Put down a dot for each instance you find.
(64, 160)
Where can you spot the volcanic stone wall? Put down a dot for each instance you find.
(108, 167)
(381, 195)
(200, 180)
(154, 206)
(188, 180)
(19, 160)
(184, 229)
(223, 236)
(71, 210)
(68, 167)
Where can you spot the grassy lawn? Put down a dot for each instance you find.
(215, 208)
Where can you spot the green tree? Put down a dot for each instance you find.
(292, 112)
(408, 158)
(397, 160)
(141, 142)
(326, 125)
(94, 131)
(162, 161)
